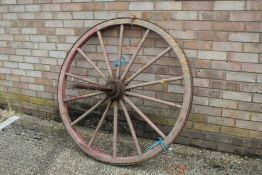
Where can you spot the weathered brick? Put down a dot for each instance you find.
(239, 76)
(53, 23)
(208, 92)
(212, 74)
(225, 65)
(243, 115)
(17, 8)
(51, 7)
(243, 57)
(117, 6)
(64, 31)
(254, 5)
(249, 125)
(229, 26)
(244, 37)
(228, 85)
(220, 121)
(32, 8)
(10, 64)
(25, 66)
(255, 134)
(57, 54)
(245, 16)
(223, 103)
(38, 38)
(212, 35)
(214, 15)
(62, 15)
(256, 117)
(255, 107)
(32, 73)
(169, 5)
(229, 5)
(206, 127)
(206, 110)
(254, 27)
(43, 15)
(231, 148)
(36, 87)
(23, 52)
(201, 5)
(201, 82)
(252, 47)
(141, 6)
(227, 46)
(156, 16)
(257, 98)
(83, 15)
(249, 67)
(184, 15)
(195, 44)
(212, 55)
(200, 100)
(241, 96)
(184, 34)
(234, 131)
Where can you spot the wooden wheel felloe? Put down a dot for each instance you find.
(114, 88)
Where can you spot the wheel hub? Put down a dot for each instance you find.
(117, 89)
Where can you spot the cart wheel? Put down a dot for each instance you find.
(115, 84)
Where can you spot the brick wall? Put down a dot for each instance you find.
(222, 39)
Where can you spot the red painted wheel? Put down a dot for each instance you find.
(150, 78)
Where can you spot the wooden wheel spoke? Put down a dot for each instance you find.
(154, 99)
(105, 53)
(80, 78)
(147, 65)
(130, 125)
(87, 112)
(91, 63)
(154, 82)
(149, 122)
(120, 49)
(100, 124)
(135, 54)
(115, 129)
(83, 96)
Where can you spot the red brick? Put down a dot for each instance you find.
(212, 74)
(212, 35)
(229, 26)
(197, 63)
(198, 25)
(249, 67)
(158, 16)
(195, 44)
(254, 5)
(116, 6)
(204, 92)
(254, 27)
(246, 16)
(228, 85)
(197, 5)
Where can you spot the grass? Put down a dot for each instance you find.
(6, 113)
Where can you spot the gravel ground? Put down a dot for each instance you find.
(35, 146)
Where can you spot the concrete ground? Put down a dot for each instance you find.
(35, 146)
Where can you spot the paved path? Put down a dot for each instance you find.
(35, 146)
